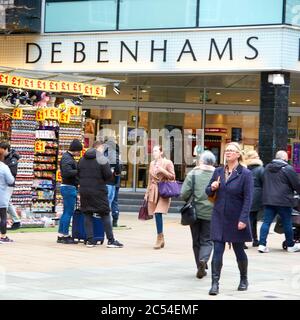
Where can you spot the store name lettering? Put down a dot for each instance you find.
(34, 51)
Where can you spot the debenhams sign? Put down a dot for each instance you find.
(178, 51)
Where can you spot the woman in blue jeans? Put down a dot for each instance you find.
(68, 190)
(230, 218)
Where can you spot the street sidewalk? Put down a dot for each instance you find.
(36, 267)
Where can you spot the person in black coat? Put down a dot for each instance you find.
(230, 218)
(94, 173)
(280, 181)
(11, 158)
(68, 189)
(255, 165)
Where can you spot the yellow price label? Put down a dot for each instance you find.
(40, 115)
(65, 117)
(17, 114)
(58, 176)
(40, 146)
(75, 111)
(52, 113)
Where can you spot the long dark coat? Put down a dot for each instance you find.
(234, 199)
(94, 173)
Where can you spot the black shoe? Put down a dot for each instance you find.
(15, 226)
(245, 247)
(115, 223)
(255, 243)
(243, 267)
(90, 244)
(59, 239)
(201, 270)
(114, 244)
(216, 267)
(68, 240)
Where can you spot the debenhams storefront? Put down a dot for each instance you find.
(226, 66)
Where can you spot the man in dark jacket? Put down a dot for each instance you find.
(94, 173)
(279, 181)
(112, 152)
(11, 158)
(68, 190)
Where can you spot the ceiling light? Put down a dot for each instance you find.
(277, 79)
(218, 93)
(294, 102)
(144, 90)
(248, 100)
(116, 88)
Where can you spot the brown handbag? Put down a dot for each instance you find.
(143, 212)
(213, 197)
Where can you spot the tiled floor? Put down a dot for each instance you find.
(36, 267)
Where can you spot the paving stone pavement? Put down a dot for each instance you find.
(36, 267)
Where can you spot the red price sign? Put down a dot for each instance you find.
(88, 90)
(17, 114)
(40, 115)
(39, 146)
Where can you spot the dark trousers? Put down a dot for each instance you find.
(202, 245)
(115, 205)
(89, 227)
(3, 217)
(253, 221)
(238, 248)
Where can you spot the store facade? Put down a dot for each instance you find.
(228, 68)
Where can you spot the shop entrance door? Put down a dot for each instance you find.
(223, 126)
(169, 119)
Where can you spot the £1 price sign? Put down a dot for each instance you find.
(65, 117)
(40, 115)
(39, 146)
(17, 114)
(58, 176)
(75, 111)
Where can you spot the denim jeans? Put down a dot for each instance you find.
(11, 208)
(69, 194)
(111, 189)
(159, 223)
(285, 214)
(115, 205)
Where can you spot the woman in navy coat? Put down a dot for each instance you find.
(230, 217)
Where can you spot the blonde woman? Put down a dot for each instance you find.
(255, 165)
(160, 169)
(230, 217)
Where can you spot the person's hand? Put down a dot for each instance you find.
(215, 186)
(241, 225)
(146, 197)
(158, 168)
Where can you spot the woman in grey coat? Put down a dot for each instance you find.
(200, 230)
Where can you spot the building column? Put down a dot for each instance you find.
(273, 121)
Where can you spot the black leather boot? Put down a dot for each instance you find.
(243, 266)
(216, 267)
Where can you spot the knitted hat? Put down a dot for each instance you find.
(75, 145)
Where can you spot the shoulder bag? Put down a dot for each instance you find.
(188, 211)
(213, 197)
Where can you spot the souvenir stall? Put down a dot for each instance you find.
(40, 130)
